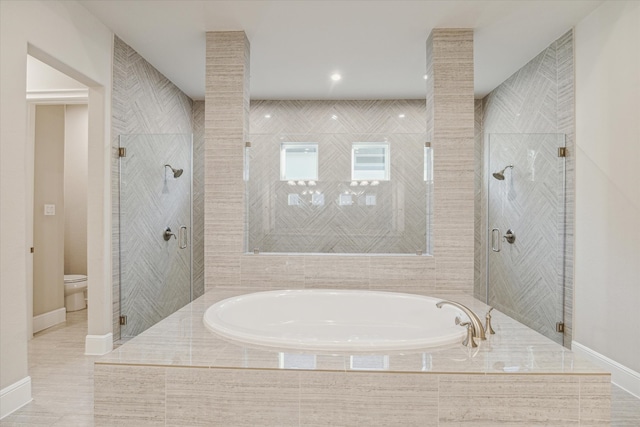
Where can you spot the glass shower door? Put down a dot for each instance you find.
(526, 236)
(155, 229)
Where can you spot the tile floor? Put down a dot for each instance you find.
(62, 381)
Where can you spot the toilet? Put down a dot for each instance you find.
(75, 287)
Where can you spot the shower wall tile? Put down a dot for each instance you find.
(143, 102)
(480, 207)
(198, 199)
(156, 273)
(539, 98)
(397, 221)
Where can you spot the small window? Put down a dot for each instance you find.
(370, 161)
(299, 161)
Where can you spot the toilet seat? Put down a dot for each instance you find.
(74, 278)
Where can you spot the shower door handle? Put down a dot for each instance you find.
(183, 237)
(495, 232)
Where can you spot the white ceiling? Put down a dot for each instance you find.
(377, 46)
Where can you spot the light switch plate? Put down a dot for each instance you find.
(49, 209)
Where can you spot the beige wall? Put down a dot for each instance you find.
(68, 37)
(48, 230)
(75, 189)
(607, 261)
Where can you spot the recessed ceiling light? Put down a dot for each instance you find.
(335, 77)
(425, 77)
(267, 116)
(401, 116)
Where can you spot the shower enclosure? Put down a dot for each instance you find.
(526, 229)
(155, 228)
(339, 193)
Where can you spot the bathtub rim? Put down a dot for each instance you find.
(335, 347)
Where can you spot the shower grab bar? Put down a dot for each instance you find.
(493, 240)
(183, 237)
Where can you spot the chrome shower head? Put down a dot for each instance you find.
(176, 172)
(500, 175)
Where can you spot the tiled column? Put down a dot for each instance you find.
(450, 126)
(226, 130)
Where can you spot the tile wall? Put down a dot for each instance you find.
(389, 217)
(144, 102)
(198, 199)
(247, 397)
(538, 98)
(227, 129)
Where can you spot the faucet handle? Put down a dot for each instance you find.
(468, 341)
(488, 329)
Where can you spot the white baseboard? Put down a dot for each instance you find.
(623, 377)
(97, 345)
(47, 320)
(15, 396)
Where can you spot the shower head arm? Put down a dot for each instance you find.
(176, 172)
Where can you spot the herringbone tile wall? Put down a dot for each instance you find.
(386, 218)
(538, 99)
(198, 199)
(525, 278)
(155, 274)
(143, 102)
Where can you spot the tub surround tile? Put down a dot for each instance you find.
(359, 399)
(490, 400)
(197, 397)
(510, 378)
(183, 340)
(76, 378)
(129, 394)
(595, 399)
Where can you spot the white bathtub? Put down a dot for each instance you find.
(335, 320)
